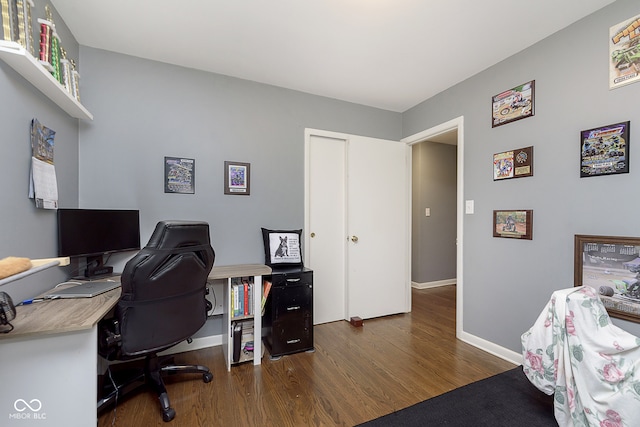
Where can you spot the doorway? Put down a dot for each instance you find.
(447, 129)
(433, 228)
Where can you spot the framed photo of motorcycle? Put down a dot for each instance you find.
(513, 104)
(513, 224)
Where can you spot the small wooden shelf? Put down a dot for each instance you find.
(227, 274)
(28, 67)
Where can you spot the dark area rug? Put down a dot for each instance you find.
(504, 400)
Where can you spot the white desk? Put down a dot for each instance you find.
(48, 363)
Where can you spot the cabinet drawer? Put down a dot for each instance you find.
(291, 301)
(292, 279)
(292, 336)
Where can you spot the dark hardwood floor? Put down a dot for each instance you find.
(355, 374)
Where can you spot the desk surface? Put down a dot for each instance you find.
(61, 315)
(240, 270)
(69, 315)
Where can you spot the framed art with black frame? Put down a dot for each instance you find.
(179, 175)
(604, 150)
(237, 178)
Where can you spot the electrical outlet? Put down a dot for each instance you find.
(215, 297)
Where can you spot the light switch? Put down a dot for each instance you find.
(468, 206)
(427, 211)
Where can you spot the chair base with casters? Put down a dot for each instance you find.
(129, 379)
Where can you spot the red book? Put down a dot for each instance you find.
(246, 299)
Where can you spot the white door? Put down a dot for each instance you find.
(325, 230)
(378, 223)
(357, 225)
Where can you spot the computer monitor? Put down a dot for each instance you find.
(92, 233)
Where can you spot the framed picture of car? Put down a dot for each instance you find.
(604, 150)
(513, 224)
(513, 104)
(624, 53)
(611, 266)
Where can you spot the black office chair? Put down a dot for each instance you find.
(162, 304)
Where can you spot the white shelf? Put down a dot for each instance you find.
(37, 265)
(29, 68)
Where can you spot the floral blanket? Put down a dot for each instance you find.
(592, 366)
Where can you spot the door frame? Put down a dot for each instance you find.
(453, 124)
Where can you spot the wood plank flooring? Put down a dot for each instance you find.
(355, 374)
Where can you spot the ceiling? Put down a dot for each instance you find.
(389, 54)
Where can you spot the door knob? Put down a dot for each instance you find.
(354, 239)
(313, 234)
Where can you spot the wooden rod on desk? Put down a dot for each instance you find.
(62, 261)
(37, 265)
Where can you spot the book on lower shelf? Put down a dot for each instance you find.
(243, 341)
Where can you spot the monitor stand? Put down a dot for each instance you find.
(96, 268)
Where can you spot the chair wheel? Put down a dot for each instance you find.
(168, 414)
(207, 377)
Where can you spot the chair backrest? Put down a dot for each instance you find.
(163, 288)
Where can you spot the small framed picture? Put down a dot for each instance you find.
(237, 178)
(513, 224)
(604, 150)
(179, 175)
(513, 164)
(513, 104)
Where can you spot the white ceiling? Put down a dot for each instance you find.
(390, 54)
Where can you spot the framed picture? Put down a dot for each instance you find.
(516, 224)
(513, 164)
(604, 150)
(237, 178)
(624, 53)
(513, 104)
(610, 265)
(179, 175)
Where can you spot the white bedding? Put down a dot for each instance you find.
(590, 365)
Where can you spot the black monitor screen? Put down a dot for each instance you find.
(93, 232)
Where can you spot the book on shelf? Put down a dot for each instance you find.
(242, 298)
(237, 341)
(265, 294)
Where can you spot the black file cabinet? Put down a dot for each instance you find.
(287, 323)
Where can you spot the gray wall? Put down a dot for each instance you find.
(146, 110)
(507, 282)
(24, 230)
(433, 240)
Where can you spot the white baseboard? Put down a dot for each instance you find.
(492, 348)
(437, 283)
(196, 344)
